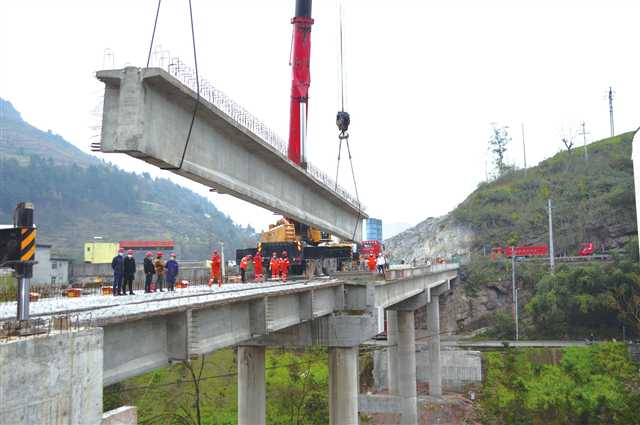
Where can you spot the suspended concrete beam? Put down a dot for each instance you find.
(147, 113)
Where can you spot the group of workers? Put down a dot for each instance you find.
(124, 271)
(279, 267)
(376, 263)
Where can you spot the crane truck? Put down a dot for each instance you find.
(302, 242)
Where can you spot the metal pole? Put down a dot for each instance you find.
(584, 137)
(513, 288)
(524, 150)
(223, 266)
(23, 299)
(611, 109)
(552, 258)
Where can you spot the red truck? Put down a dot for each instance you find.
(522, 251)
(370, 247)
(586, 249)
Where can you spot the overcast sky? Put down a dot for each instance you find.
(425, 80)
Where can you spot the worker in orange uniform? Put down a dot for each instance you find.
(244, 264)
(283, 265)
(371, 263)
(257, 266)
(215, 269)
(274, 265)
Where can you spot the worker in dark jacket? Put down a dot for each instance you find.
(171, 272)
(129, 273)
(117, 264)
(149, 271)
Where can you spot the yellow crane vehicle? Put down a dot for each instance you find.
(305, 246)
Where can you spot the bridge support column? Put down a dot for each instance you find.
(343, 385)
(251, 386)
(433, 326)
(407, 367)
(392, 350)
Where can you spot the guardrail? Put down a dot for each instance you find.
(402, 271)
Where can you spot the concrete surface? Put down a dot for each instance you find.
(343, 386)
(251, 386)
(125, 415)
(407, 368)
(147, 113)
(52, 379)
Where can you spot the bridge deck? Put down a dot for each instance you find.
(106, 309)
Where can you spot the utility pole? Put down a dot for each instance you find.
(524, 150)
(552, 259)
(584, 133)
(611, 110)
(513, 287)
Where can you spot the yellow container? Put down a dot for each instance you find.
(100, 252)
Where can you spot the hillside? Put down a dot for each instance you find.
(592, 202)
(77, 197)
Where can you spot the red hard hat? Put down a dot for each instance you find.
(130, 251)
(173, 254)
(159, 253)
(121, 250)
(149, 254)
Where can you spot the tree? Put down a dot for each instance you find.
(498, 143)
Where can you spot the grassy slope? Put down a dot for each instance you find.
(592, 202)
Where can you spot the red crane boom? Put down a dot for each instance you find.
(301, 79)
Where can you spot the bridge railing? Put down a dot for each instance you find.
(240, 115)
(403, 271)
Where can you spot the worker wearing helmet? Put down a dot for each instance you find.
(215, 269)
(117, 264)
(257, 266)
(274, 264)
(149, 271)
(244, 264)
(171, 272)
(284, 266)
(159, 265)
(129, 272)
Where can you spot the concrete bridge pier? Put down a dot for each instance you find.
(251, 385)
(392, 359)
(343, 385)
(406, 368)
(433, 327)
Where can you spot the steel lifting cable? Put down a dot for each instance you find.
(343, 120)
(195, 61)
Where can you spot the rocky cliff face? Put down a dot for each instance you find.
(434, 237)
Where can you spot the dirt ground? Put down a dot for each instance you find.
(453, 409)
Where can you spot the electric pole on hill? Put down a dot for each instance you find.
(584, 133)
(611, 110)
(524, 150)
(552, 258)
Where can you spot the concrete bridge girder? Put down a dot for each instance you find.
(147, 113)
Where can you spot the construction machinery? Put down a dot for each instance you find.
(302, 243)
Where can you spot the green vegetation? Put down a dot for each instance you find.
(593, 202)
(297, 390)
(78, 197)
(597, 298)
(574, 302)
(589, 386)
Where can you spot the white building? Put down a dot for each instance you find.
(49, 270)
